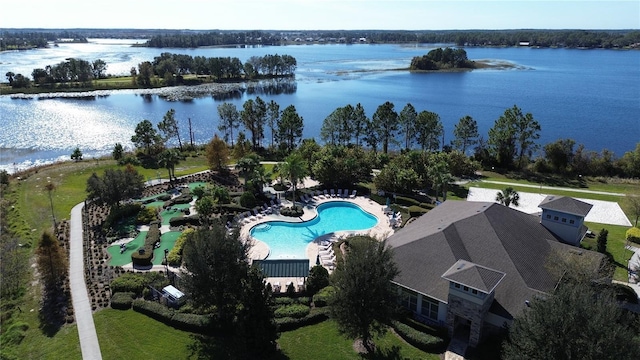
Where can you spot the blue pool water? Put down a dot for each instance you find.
(289, 240)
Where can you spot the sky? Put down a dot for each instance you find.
(321, 14)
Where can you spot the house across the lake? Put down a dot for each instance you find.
(473, 266)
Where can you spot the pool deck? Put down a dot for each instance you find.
(381, 230)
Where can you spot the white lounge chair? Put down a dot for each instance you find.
(353, 194)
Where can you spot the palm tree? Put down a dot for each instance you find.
(49, 188)
(169, 159)
(293, 169)
(247, 165)
(507, 197)
(439, 174)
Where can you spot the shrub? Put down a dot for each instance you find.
(144, 254)
(146, 215)
(117, 213)
(416, 211)
(188, 322)
(163, 197)
(295, 311)
(177, 221)
(295, 211)
(129, 160)
(129, 282)
(633, 235)
(122, 300)
(180, 199)
(248, 200)
(419, 339)
(315, 316)
(406, 201)
(284, 300)
(174, 258)
(323, 296)
(624, 293)
(318, 279)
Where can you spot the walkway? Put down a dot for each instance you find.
(79, 295)
(554, 188)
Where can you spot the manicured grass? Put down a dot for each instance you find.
(167, 241)
(616, 241)
(118, 259)
(131, 335)
(323, 341)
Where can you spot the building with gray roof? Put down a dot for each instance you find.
(475, 266)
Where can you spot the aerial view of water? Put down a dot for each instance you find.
(591, 96)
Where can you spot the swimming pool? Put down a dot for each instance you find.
(288, 240)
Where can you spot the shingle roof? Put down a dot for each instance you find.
(474, 276)
(566, 204)
(487, 234)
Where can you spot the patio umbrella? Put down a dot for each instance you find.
(318, 259)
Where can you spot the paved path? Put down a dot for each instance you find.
(554, 188)
(79, 296)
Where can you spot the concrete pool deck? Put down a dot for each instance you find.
(381, 230)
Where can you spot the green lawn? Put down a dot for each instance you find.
(323, 341)
(616, 240)
(131, 335)
(119, 259)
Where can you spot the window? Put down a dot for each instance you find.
(429, 308)
(548, 216)
(466, 288)
(409, 300)
(555, 218)
(572, 221)
(457, 285)
(564, 220)
(474, 291)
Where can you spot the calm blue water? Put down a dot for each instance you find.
(289, 240)
(591, 96)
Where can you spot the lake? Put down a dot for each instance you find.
(591, 96)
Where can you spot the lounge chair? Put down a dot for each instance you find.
(325, 193)
(333, 192)
(328, 252)
(353, 194)
(339, 194)
(345, 193)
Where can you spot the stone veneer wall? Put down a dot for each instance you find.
(468, 310)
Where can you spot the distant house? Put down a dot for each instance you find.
(473, 266)
(564, 216)
(523, 43)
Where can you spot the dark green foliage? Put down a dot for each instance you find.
(184, 198)
(441, 59)
(315, 316)
(623, 292)
(419, 339)
(144, 255)
(13, 334)
(122, 300)
(4, 177)
(602, 241)
(579, 321)
(248, 200)
(177, 221)
(120, 213)
(364, 299)
(406, 201)
(322, 298)
(115, 186)
(293, 211)
(137, 282)
(146, 216)
(318, 279)
(293, 310)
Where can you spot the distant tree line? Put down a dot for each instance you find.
(441, 59)
(23, 40)
(539, 38)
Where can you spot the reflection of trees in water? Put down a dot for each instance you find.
(273, 87)
(262, 87)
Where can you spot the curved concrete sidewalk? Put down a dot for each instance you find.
(79, 295)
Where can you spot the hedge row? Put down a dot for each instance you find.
(153, 236)
(122, 300)
(286, 300)
(415, 211)
(180, 199)
(633, 235)
(175, 255)
(419, 339)
(185, 220)
(187, 322)
(292, 311)
(321, 299)
(315, 316)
